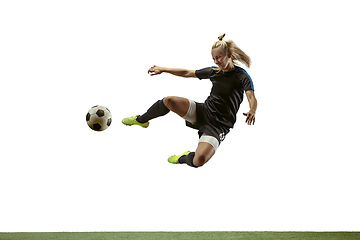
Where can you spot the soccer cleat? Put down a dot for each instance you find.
(175, 159)
(132, 121)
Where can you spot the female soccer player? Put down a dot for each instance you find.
(217, 114)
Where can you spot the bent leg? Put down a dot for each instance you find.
(203, 154)
(206, 149)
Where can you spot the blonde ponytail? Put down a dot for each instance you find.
(221, 36)
(237, 55)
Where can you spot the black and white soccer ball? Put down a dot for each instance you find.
(98, 118)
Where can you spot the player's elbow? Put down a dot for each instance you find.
(190, 74)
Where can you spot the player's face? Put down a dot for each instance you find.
(221, 59)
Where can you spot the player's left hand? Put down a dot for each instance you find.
(155, 70)
(250, 117)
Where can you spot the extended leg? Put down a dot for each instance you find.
(156, 110)
(178, 105)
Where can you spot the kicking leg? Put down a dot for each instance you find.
(156, 110)
(162, 107)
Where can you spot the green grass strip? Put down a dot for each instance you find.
(181, 235)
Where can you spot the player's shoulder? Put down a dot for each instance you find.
(210, 69)
(204, 72)
(205, 69)
(242, 72)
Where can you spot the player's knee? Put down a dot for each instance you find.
(169, 101)
(199, 160)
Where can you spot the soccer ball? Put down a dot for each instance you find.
(98, 118)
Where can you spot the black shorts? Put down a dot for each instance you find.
(207, 124)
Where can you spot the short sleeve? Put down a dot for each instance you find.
(247, 82)
(204, 73)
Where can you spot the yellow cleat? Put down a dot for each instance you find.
(132, 121)
(175, 159)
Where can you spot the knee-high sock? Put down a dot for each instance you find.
(188, 159)
(156, 110)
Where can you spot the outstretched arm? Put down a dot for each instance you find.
(250, 116)
(155, 70)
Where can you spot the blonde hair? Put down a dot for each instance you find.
(237, 55)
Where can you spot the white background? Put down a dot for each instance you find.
(296, 169)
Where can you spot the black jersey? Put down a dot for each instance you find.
(226, 94)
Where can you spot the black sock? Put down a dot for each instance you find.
(188, 159)
(156, 110)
